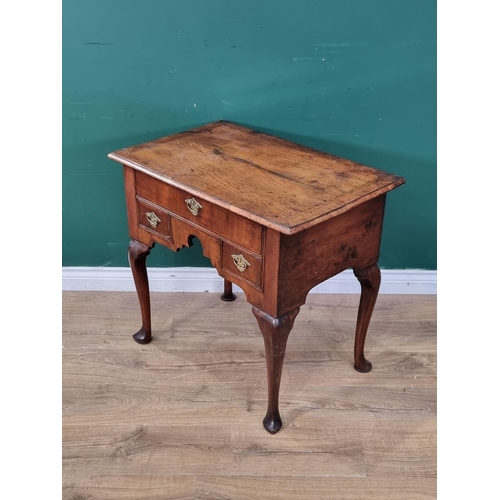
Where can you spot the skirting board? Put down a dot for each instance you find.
(205, 279)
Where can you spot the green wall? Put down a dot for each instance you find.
(356, 78)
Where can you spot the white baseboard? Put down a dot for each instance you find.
(206, 279)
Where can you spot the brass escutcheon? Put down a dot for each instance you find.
(240, 262)
(153, 219)
(193, 205)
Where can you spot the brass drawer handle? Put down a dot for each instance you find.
(193, 205)
(153, 219)
(240, 262)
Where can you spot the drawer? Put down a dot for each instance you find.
(241, 264)
(154, 219)
(229, 225)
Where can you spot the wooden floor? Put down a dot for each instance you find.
(181, 417)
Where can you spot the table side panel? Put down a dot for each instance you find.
(135, 231)
(319, 253)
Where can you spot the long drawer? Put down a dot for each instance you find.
(233, 227)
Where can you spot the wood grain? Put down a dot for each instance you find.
(181, 417)
(274, 182)
(324, 488)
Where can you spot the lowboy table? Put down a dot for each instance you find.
(273, 217)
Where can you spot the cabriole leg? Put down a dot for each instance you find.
(369, 279)
(275, 332)
(137, 254)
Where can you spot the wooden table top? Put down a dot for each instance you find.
(277, 183)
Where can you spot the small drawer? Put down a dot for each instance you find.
(216, 219)
(153, 219)
(241, 264)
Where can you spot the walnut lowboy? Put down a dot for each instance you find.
(273, 217)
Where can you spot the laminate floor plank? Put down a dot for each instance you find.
(130, 487)
(324, 488)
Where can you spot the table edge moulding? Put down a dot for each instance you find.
(274, 217)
